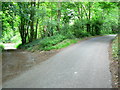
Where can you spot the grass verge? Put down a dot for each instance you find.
(49, 43)
(114, 62)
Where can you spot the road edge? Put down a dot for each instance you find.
(112, 67)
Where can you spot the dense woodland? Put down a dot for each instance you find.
(49, 23)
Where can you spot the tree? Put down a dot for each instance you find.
(33, 20)
(58, 15)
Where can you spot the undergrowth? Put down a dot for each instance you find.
(1, 47)
(49, 43)
(115, 48)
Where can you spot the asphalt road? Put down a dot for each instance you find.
(83, 65)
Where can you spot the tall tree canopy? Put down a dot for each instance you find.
(29, 21)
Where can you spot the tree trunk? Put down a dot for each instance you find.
(37, 24)
(32, 22)
(78, 8)
(88, 28)
(88, 24)
(58, 16)
(22, 31)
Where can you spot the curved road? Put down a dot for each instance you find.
(83, 65)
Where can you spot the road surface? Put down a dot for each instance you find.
(83, 65)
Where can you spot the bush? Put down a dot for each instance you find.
(78, 31)
(43, 43)
(49, 41)
(115, 49)
(1, 47)
(19, 45)
(62, 44)
(80, 34)
(97, 24)
(67, 31)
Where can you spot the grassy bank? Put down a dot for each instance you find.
(114, 62)
(50, 43)
(115, 48)
(54, 42)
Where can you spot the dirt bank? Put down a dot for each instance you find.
(15, 62)
(113, 67)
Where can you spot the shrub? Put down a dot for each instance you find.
(43, 43)
(62, 44)
(1, 47)
(67, 31)
(49, 41)
(78, 31)
(19, 45)
(97, 23)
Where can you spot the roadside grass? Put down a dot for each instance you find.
(41, 44)
(49, 43)
(115, 48)
(114, 62)
(62, 44)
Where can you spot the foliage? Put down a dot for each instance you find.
(43, 43)
(78, 30)
(45, 24)
(62, 44)
(115, 48)
(97, 26)
(66, 30)
(1, 47)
